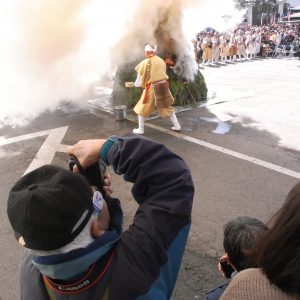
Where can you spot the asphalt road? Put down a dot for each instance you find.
(242, 148)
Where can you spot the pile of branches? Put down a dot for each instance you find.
(184, 92)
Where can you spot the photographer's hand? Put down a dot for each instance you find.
(107, 185)
(87, 152)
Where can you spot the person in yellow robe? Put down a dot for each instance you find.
(207, 47)
(152, 77)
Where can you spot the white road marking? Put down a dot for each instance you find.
(4, 141)
(272, 104)
(47, 151)
(238, 155)
(221, 128)
(53, 144)
(220, 115)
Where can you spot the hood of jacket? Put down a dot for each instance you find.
(68, 266)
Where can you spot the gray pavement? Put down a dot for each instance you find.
(242, 147)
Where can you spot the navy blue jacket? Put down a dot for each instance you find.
(140, 263)
(216, 293)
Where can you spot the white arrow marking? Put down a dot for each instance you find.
(221, 115)
(222, 127)
(47, 151)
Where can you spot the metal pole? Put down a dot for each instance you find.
(250, 14)
(268, 12)
(250, 5)
(262, 12)
(280, 8)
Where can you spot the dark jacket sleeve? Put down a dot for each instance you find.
(150, 251)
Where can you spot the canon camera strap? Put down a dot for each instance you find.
(94, 284)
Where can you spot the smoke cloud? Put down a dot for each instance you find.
(159, 22)
(172, 24)
(55, 50)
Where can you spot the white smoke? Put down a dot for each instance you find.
(220, 15)
(173, 24)
(159, 22)
(53, 50)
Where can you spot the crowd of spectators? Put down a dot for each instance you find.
(247, 42)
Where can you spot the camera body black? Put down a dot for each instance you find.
(94, 173)
(226, 268)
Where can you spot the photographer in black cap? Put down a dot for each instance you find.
(75, 245)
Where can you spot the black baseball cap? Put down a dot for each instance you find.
(49, 207)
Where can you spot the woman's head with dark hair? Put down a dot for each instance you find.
(241, 236)
(279, 250)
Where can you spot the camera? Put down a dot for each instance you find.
(94, 173)
(226, 268)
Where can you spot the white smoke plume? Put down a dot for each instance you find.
(172, 24)
(54, 50)
(159, 22)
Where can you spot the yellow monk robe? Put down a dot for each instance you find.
(153, 70)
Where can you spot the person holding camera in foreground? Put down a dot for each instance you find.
(240, 235)
(278, 252)
(75, 245)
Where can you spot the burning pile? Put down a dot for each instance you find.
(159, 22)
(185, 92)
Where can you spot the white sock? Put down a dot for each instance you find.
(175, 122)
(140, 130)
